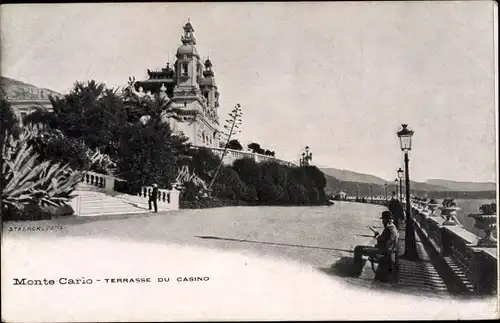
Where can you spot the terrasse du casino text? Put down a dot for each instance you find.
(72, 281)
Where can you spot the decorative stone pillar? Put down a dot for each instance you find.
(174, 199)
(109, 183)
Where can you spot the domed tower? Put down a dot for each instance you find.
(188, 66)
(195, 115)
(209, 88)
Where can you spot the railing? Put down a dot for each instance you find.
(478, 264)
(232, 155)
(367, 199)
(168, 199)
(165, 197)
(450, 240)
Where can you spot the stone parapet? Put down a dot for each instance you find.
(231, 155)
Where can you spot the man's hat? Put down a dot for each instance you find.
(387, 215)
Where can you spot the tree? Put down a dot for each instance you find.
(52, 145)
(250, 193)
(254, 147)
(274, 173)
(313, 195)
(232, 127)
(269, 193)
(234, 144)
(203, 162)
(248, 170)
(230, 185)
(42, 116)
(93, 114)
(150, 154)
(298, 195)
(9, 123)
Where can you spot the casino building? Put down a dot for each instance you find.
(193, 96)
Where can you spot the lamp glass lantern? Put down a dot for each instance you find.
(405, 135)
(400, 173)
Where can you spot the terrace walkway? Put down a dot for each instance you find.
(321, 237)
(416, 277)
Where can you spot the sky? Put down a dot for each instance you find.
(339, 77)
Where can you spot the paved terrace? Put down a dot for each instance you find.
(322, 237)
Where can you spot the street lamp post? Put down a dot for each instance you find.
(385, 191)
(371, 194)
(400, 176)
(397, 185)
(357, 192)
(306, 157)
(405, 135)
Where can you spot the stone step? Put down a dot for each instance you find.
(93, 201)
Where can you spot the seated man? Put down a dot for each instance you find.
(384, 250)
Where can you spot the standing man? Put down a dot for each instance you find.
(153, 197)
(397, 210)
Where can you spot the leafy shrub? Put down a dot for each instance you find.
(248, 170)
(488, 208)
(229, 184)
(449, 202)
(26, 181)
(9, 123)
(190, 192)
(298, 195)
(234, 144)
(52, 145)
(250, 193)
(313, 194)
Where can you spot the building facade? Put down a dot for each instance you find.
(25, 98)
(193, 96)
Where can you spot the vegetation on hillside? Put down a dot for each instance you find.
(133, 142)
(249, 183)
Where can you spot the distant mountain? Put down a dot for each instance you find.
(463, 186)
(13, 89)
(350, 176)
(365, 184)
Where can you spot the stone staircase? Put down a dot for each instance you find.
(93, 201)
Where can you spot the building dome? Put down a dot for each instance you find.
(187, 49)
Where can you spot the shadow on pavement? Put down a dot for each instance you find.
(271, 243)
(344, 267)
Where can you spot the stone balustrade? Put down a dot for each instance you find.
(166, 198)
(380, 200)
(451, 240)
(232, 155)
(106, 182)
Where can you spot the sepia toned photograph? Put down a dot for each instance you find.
(249, 161)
